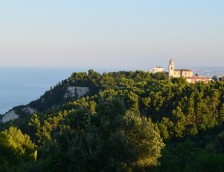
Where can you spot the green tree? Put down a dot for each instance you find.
(15, 149)
(115, 141)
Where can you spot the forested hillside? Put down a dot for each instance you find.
(123, 121)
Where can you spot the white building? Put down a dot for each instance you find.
(158, 69)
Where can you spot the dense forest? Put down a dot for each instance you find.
(128, 121)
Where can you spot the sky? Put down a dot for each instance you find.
(111, 34)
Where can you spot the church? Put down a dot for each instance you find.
(185, 73)
(176, 73)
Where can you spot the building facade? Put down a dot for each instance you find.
(158, 69)
(186, 73)
(195, 79)
(176, 73)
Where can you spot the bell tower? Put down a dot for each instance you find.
(171, 68)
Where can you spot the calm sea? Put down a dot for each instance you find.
(19, 86)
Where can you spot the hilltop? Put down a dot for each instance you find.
(127, 121)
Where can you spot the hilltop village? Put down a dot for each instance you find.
(177, 73)
(118, 121)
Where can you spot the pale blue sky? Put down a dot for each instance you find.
(113, 34)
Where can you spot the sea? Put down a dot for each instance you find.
(19, 86)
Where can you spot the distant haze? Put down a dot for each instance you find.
(116, 34)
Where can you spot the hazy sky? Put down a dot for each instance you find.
(115, 34)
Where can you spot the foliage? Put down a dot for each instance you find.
(120, 124)
(15, 147)
(109, 139)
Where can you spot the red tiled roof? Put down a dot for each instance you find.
(183, 70)
(196, 77)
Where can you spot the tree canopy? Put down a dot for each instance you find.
(128, 121)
